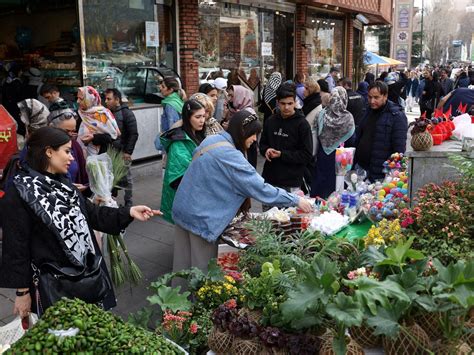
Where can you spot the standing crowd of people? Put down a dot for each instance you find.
(210, 143)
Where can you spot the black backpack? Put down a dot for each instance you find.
(10, 171)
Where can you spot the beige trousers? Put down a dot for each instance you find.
(190, 250)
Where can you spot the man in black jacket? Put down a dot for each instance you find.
(127, 124)
(355, 102)
(286, 142)
(382, 132)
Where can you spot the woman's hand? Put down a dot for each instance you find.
(22, 305)
(143, 213)
(305, 205)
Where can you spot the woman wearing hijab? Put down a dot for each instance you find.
(98, 127)
(241, 99)
(363, 90)
(48, 226)
(61, 116)
(335, 126)
(33, 114)
(267, 107)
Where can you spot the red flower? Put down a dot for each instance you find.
(193, 328)
(231, 304)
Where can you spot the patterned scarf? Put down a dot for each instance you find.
(273, 84)
(59, 208)
(243, 99)
(33, 114)
(96, 118)
(336, 124)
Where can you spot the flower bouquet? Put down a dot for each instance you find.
(105, 171)
(344, 162)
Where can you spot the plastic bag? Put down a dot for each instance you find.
(464, 127)
(14, 330)
(101, 178)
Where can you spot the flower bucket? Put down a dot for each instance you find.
(364, 336)
(246, 347)
(437, 138)
(412, 340)
(353, 348)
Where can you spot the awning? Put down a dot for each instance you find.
(392, 61)
(372, 58)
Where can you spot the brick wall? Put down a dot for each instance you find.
(349, 46)
(300, 51)
(189, 44)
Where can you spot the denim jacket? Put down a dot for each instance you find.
(215, 186)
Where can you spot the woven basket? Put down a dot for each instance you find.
(403, 344)
(220, 342)
(453, 349)
(253, 315)
(246, 347)
(352, 347)
(364, 336)
(421, 141)
(273, 351)
(469, 338)
(429, 322)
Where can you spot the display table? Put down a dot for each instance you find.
(432, 166)
(148, 123)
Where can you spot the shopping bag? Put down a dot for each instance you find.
(8, 143)
(14, 330)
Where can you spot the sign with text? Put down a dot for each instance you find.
(152, 34)
(267, 48)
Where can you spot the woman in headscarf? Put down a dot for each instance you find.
(61, 116)
(363, 90)
(33, 114)
(241, 99)
(267, 107)
(335, 126)
(98, 128)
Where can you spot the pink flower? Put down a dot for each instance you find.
(193, 328)
(232, 303)
(351, 275)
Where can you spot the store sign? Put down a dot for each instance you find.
(152, 34)
(266, 48)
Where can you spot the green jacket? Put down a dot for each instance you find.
(179, 149)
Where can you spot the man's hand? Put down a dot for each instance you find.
(272, 154)
(127, 157)
(143, 213)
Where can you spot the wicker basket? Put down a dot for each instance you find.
(413, 341)
(469, 338)
(364, 336)
(246, 347)
(352, 347)
(273, 351)
(253, 315)
(453, 349)
(220, 342)
(429, 322)
(421, 141)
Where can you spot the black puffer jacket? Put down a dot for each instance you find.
(127, 124)
(390, 137)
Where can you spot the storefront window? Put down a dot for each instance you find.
(325, 42)
(249, 42)
(124, 37)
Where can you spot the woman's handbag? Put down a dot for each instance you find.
(90, 283)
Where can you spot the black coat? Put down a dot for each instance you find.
(292, 136)
(390, 137)
(127, 124)
(27, 239)
(356, 106)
